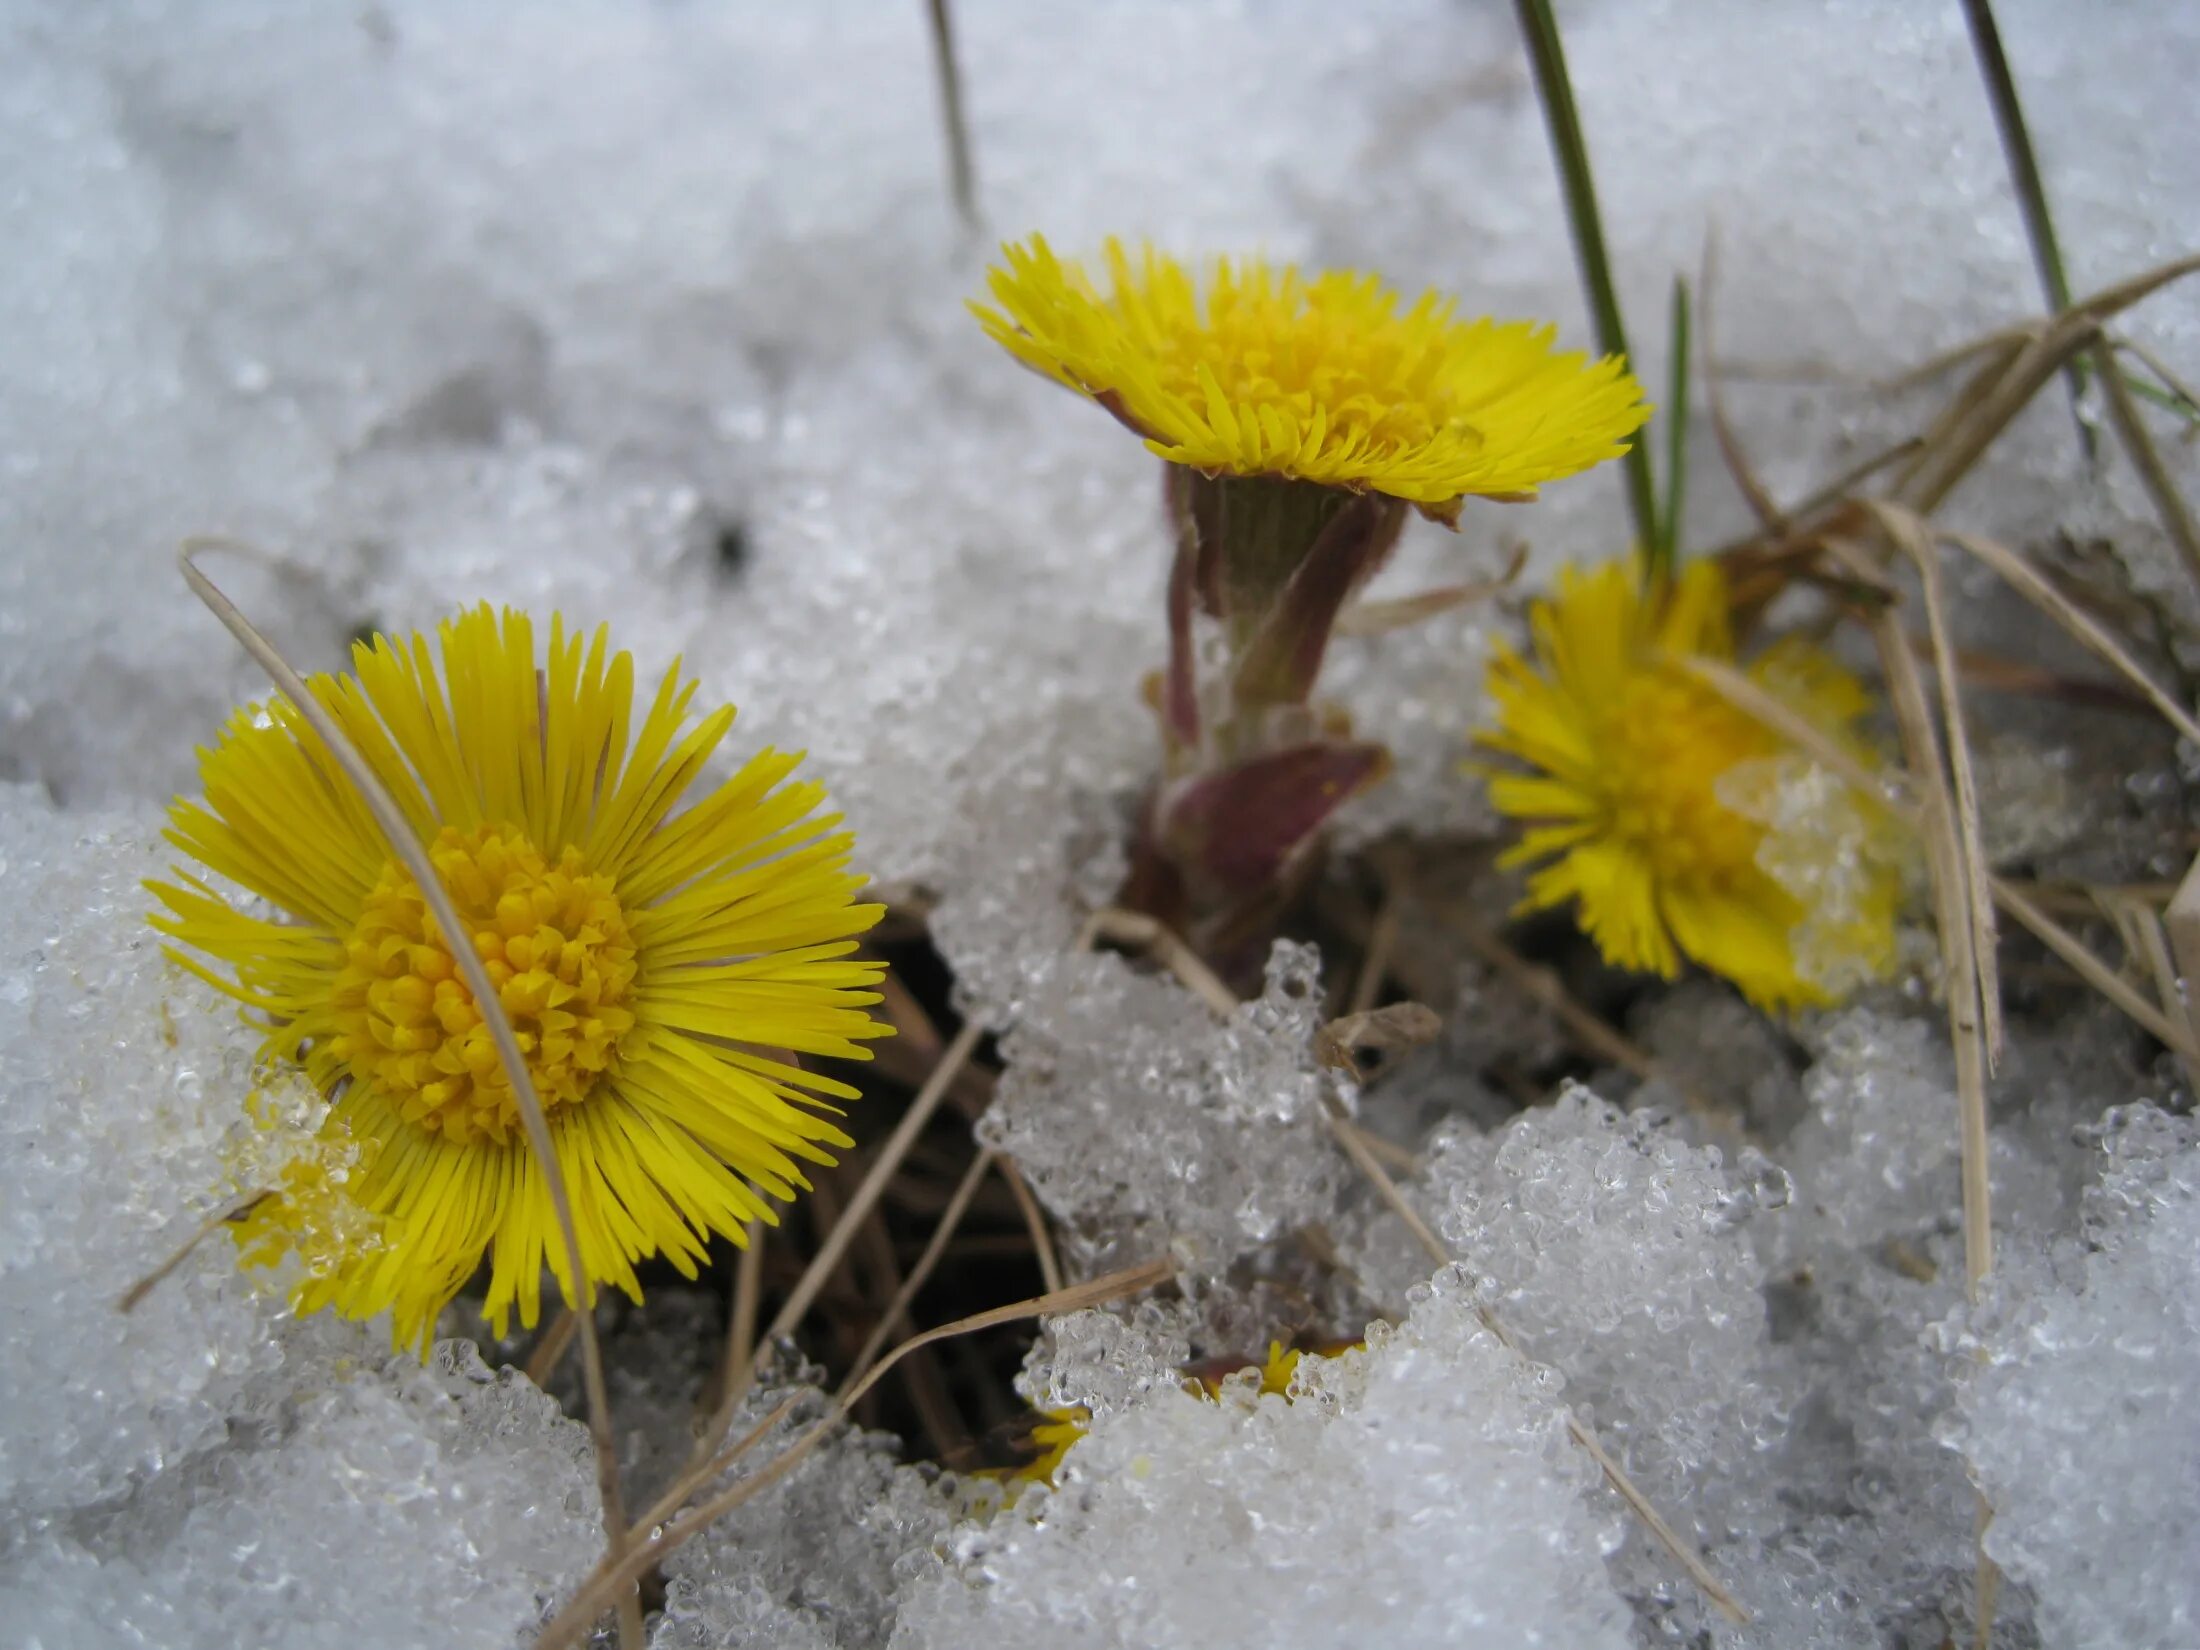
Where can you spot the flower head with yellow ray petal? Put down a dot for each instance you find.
(1636, 769)
(1327, 378)
(659, 968)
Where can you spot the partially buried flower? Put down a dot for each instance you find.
(1639, 805)
(1058, 1431)
(660, 969)
(1329, 378)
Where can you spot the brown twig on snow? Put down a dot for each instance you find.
(860, 1203)
(550, 1350)
(1955, 892)
(1598, 1036)
(2007, 386)
(1035, 1222)
(1910, 534)
(664, 1533)
(235, 1209)
(2183, 922)
(1167, 947)
(1380, 618)
(949, 1222)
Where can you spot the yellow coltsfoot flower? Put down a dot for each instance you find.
(1299, 418)
(1637, 767)
(1327, 378)
(659, 969)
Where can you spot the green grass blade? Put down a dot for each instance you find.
(2024, 176)
(1666, 549)
(2168, 400)
(1547, 58)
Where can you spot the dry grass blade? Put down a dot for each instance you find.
(1838, 490)
(235, 1209)
(1035, 1222)
(1380, 618)
(1999, 673)
(2020, 575)
(1605, 1041)
(655, 1541)
(2006, 340)
(2182, 919)
(550, 1351)
(2140, 922)
(1976, 391)
(1353, 1142)
(929, 1394)
(1739, 691)
(2180, 1040)
(1952, 917)
(1912, 537)
(1745, 695)
(2165, 376)
(1167, 948)
(737, 1360)
(390, 819)
(1758, 496)
(942, 1232)
(2169, 504)
(1952, 450)
(865, 1198)
(1375, 955)
(1357, 1144)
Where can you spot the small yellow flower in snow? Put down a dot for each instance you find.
(655, 965)
(1636, 765)
(1327, 378)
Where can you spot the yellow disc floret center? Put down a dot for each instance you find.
(556, 945)
(1325, 353)
(1667, 743)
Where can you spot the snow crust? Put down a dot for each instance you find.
(651, 312)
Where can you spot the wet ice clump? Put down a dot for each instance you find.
(205, 1470)
(2079, 1423)
(392, 1504)
(1620, 1256)
(1420, 1492)
(1104, 1362)
(120, 1081)
(811, 1563)
(1149, 1125)
(1617, 1256)
(1833, 852)
(1754, 1335)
